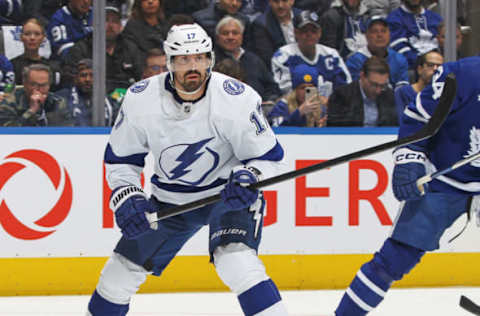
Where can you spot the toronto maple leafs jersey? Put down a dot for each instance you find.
(64, 29)
(194, 145)
(413, 34)
(331, 67)
(459, 136)
(7, 75)
(10, 11)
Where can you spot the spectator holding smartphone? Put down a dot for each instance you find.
(295, 108)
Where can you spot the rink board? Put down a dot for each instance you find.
(318, 229)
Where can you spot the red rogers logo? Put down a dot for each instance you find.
(56, 215)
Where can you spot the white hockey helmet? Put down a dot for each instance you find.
(187, 39)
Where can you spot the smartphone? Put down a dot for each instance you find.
(311, 92)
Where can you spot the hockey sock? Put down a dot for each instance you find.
(375, 277)
(259, 297)
(98, 306)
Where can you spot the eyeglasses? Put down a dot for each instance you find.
(432, 65)
(158, 68)
(376, 85)
(40, 86)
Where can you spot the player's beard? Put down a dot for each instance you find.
(192, 85)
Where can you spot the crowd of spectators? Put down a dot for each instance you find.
(366, 58)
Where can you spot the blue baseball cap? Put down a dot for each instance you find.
(377, 19)
(304, 73)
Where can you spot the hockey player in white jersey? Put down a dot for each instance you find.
(207, 134)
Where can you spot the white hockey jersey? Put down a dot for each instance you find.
(194, 145)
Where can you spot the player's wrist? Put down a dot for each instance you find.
(122, 194)
(406, 155)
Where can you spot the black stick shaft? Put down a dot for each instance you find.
(428, 130)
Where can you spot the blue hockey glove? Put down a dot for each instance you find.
(235, 194)
(130, 205)
(409, 167)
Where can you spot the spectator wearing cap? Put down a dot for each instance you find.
(294, 109)
(413, 30)
(330, 66)
(124, 61)
(365, 102)
(344, 26)
(229, 39)
(378, 39)
(68, 25)
(79, 97)
(274, 29)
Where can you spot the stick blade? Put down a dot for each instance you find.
(469, 305)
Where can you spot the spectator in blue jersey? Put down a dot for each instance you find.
(274, 29)
(32, 37)
(79, 97)
(124, 61)
(378, 39)
(331, 68)
(427, 64)
(147, 25)
(229, 39)
(34, 104)
(11, 12)
(365, 102)
(209, 17)
(294, 109)
(426, 211)
(413, 30)
(69, 25)
(343, 26)
(7, 75)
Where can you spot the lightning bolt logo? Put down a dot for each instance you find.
(187, 158)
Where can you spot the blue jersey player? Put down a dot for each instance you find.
(207, 135)
(422, 219)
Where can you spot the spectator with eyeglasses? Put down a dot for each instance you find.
(367, 101)
(426, 66)
(34, 104)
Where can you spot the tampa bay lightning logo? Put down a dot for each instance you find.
(233, 87)
(189, 163)
(140, 86)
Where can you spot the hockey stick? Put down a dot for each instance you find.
(428, 130)
(469, 305)
(429, 177)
